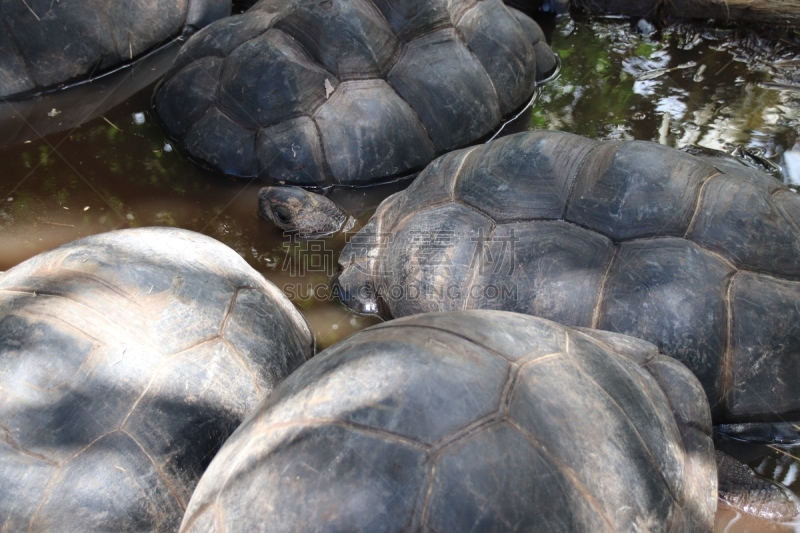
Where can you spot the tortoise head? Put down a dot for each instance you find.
(295, 209)
(354, 282)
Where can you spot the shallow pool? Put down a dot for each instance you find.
(59, 182)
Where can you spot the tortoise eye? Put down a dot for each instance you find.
(281, 215)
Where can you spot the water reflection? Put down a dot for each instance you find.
(731, 521)
(25, 120)
(680, 87)
(791, 159)
(119, 171)
(779, 463)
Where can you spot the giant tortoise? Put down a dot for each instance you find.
(126, 359)
(470, 421)
(699, 256)
(45, 43)
(349, 92)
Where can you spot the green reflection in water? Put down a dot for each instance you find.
(682, 87)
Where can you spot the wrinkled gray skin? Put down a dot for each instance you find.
(45, 43)
(126, 359)
(297, 210)
(743, 489)
(470, 421)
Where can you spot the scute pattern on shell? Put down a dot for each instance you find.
(321, 92)
(46, 43)
(699, 256)
(126, 359)
(470, 421)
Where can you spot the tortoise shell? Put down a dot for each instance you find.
(351, 92)
(699, 256)
(45, 43)
(126, 359)
(470, 421)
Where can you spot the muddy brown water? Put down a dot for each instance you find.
(59, 182)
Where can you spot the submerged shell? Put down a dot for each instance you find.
(349, 91)
(126, 359)
(44, 43)
(470, 421)
(633, 237)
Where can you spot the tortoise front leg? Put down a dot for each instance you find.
(745, 491)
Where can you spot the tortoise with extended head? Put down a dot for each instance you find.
(470, 421)
(44, 43)
(349, 92)
(126, 359)
(700, 257)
